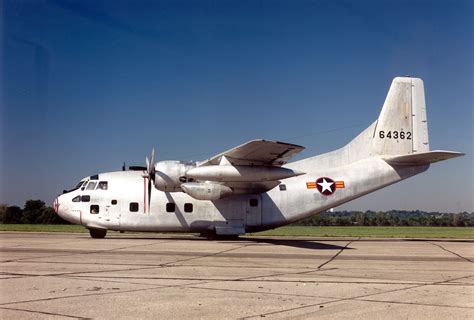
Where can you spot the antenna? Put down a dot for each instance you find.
(123, 167)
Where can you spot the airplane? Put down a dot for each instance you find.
(253, 187)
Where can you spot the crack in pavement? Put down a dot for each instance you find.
(324, 297)
(335, 256)
(318, 269)
(195, 283)
(78, 253)
(172, 264)
(353, 298)
(125, 291)
(77, 296)
(46, 313)
(452, 252)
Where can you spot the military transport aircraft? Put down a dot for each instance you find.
(252, 187)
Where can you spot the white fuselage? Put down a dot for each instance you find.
(125, 205)
(393, 148)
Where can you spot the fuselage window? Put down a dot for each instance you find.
(188, 207)
(91, 185)
(114, 202)
(76, 199)
(133, 206)
(254, 202)
(102, 185)
(282, 187)
(94, 209)
(86, 198)
(170, 207)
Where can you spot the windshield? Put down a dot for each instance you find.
(76, 187)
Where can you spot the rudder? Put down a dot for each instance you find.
(402, 126)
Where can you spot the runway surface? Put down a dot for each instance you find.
(63, 276)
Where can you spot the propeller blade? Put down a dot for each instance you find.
(149, 194)
(152, 164)
(150, 168)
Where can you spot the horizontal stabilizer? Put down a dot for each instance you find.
(422, 158)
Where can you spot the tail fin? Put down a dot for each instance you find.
(402, 126)
(400, 134)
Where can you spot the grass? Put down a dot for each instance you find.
(43, 228)
(366, 232)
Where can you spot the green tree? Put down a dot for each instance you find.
(48, 216)
(12, 214)
(3, 211)
(32, 211)
(361, 218)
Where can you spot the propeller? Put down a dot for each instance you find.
(150, 173)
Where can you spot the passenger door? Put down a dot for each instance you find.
(253, 211)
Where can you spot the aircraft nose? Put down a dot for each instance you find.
(56, 205)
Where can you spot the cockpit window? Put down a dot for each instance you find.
(91, 185)
(78, 185)
(84, 184)
(76, 199)
(102, 185)
(75, 188)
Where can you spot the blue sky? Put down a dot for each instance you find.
(87, 85)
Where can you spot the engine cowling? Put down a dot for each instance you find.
(206, 190)
(170, 175)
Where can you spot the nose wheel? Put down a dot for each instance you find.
(98, 233)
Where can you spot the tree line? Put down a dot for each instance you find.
(36, 212)
(405, 218)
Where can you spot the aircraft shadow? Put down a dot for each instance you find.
(300, 243)
(296, 243)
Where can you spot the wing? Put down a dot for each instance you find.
(256, 153)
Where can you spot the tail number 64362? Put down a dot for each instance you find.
(395, 135)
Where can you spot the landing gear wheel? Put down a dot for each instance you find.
(211, 235)
(98, 233)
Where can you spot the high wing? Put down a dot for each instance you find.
(251, 168)
(256, 153)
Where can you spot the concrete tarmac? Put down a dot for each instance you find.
(153, 276)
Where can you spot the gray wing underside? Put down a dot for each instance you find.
(257, 153)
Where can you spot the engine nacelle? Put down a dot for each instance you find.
(206, 190)
(169, 175)
(241, 173)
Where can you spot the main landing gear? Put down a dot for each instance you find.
(211, 235)
(97, 233)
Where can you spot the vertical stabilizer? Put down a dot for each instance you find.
(402, 126)
(420, 121)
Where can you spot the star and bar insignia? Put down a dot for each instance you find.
(326, 186)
